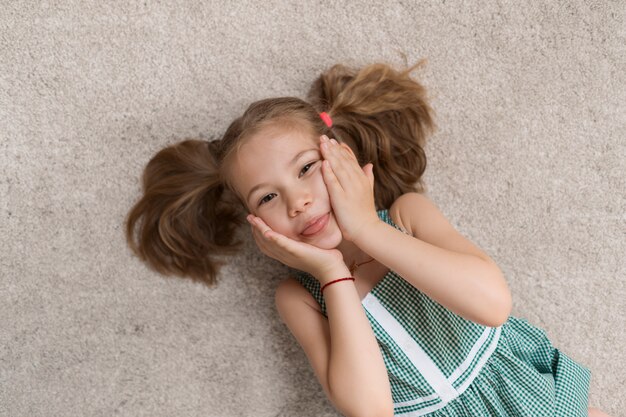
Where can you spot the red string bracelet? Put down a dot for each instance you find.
(337, 280)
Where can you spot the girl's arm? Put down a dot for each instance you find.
(438, 261)
(342, 349)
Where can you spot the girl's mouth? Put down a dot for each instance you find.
(317, 227)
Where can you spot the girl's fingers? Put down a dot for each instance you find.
(343, 147)
(332, 183)
(267, 235)
(263, 229)
(342, 161)
(275, 245)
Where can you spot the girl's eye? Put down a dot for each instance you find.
(305, 169)
(264, 199)
(307, 165)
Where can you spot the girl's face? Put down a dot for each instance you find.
(278, 173)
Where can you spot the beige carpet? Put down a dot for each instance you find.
(529, 162)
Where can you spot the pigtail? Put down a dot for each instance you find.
(186, 216)
(384, 116)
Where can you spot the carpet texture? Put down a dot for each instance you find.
(528, 161)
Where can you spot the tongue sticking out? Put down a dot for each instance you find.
(316, 227)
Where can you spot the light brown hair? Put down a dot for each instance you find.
(189, 213)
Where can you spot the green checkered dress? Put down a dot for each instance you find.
(440, 364)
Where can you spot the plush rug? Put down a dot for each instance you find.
(528, 161)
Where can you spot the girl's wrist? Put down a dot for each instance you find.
(332, 274)
(335, 281)
(365, 230)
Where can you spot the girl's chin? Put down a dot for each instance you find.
(327, 241)
(325, 244)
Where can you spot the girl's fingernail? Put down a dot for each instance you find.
(324, 138)
(324, 146)
(333, 141)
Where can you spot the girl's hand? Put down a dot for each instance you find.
(302, 256)
(351, 188)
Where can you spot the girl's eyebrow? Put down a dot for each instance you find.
(293, 161)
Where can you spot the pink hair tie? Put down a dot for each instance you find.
(326, 118)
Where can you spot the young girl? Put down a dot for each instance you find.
(396, 311)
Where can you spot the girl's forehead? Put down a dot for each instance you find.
(267, 150)
(283, 139)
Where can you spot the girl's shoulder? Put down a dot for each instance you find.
(423, 220)
(410, 210)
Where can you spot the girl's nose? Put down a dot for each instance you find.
(299, 202)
